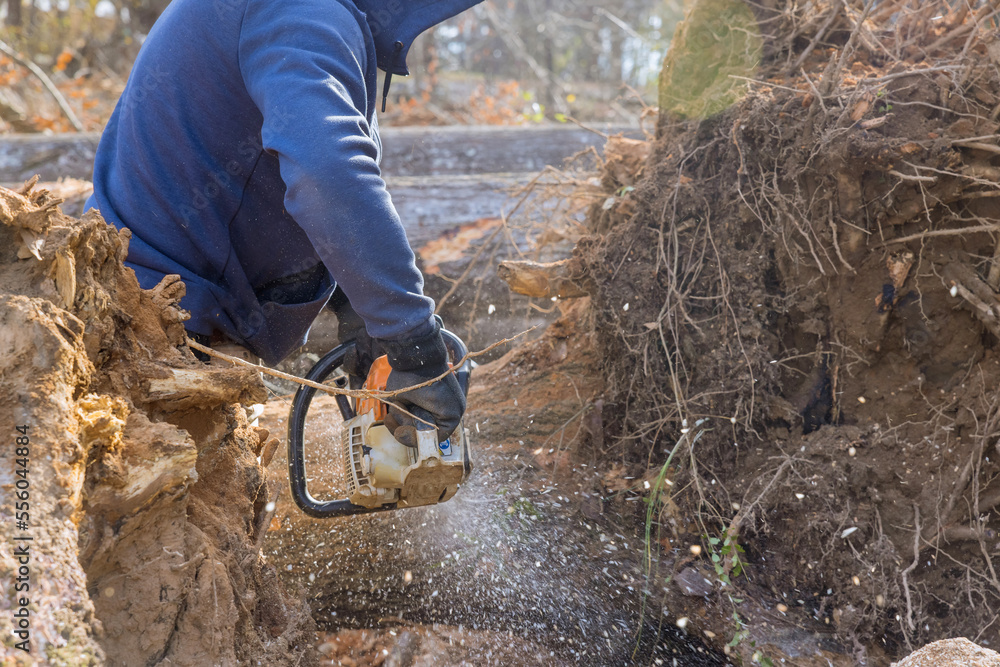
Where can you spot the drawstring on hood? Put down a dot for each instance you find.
(396, 23)
(398, 47)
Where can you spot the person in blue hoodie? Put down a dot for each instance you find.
(244, 154)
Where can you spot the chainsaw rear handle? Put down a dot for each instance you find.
(333, 360)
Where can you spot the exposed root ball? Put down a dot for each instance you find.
(806, 300)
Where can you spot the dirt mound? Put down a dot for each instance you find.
(798, 308)
(143, 489)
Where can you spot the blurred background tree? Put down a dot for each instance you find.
(504, 61)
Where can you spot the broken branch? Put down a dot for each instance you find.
(46, 81)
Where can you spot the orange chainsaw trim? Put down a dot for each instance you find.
(378, 376)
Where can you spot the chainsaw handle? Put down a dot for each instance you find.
(458, 350)
(296, 441)
(325, 367)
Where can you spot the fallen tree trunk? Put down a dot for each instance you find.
(407, 152)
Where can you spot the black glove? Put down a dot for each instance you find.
(415, 361)
(350, 327)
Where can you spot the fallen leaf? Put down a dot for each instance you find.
(899, 267)
(860, 109)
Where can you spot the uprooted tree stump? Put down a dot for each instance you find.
(143, 489)
(797, 303)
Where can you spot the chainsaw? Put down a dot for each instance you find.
(381, 474)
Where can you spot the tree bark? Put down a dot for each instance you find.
(14, 13)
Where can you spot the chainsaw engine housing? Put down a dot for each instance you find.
(381, 471)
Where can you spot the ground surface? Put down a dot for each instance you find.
(530, 559)
(789, 411)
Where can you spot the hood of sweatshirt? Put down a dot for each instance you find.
(396, 23)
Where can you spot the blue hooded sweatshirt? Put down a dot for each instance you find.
(245, 150)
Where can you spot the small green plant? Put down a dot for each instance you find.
(886, 107)
(519, 516)
(524, 507)
(742, 632)
(730, 550)
(762, 659)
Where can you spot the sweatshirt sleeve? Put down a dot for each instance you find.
(304, 63)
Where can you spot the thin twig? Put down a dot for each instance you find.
(959, 488)
(820, 34)
(912, 72)
(978, 145)
(380, 395)
(767, 83)
(831, 77)
(907, 177)
(468, 269)
(993, 279)
(526, 190)
(912, 567)
(587, 128)
(944, 232)
(733, 531)
(815, 90)
(836, 247)
(46, 81)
